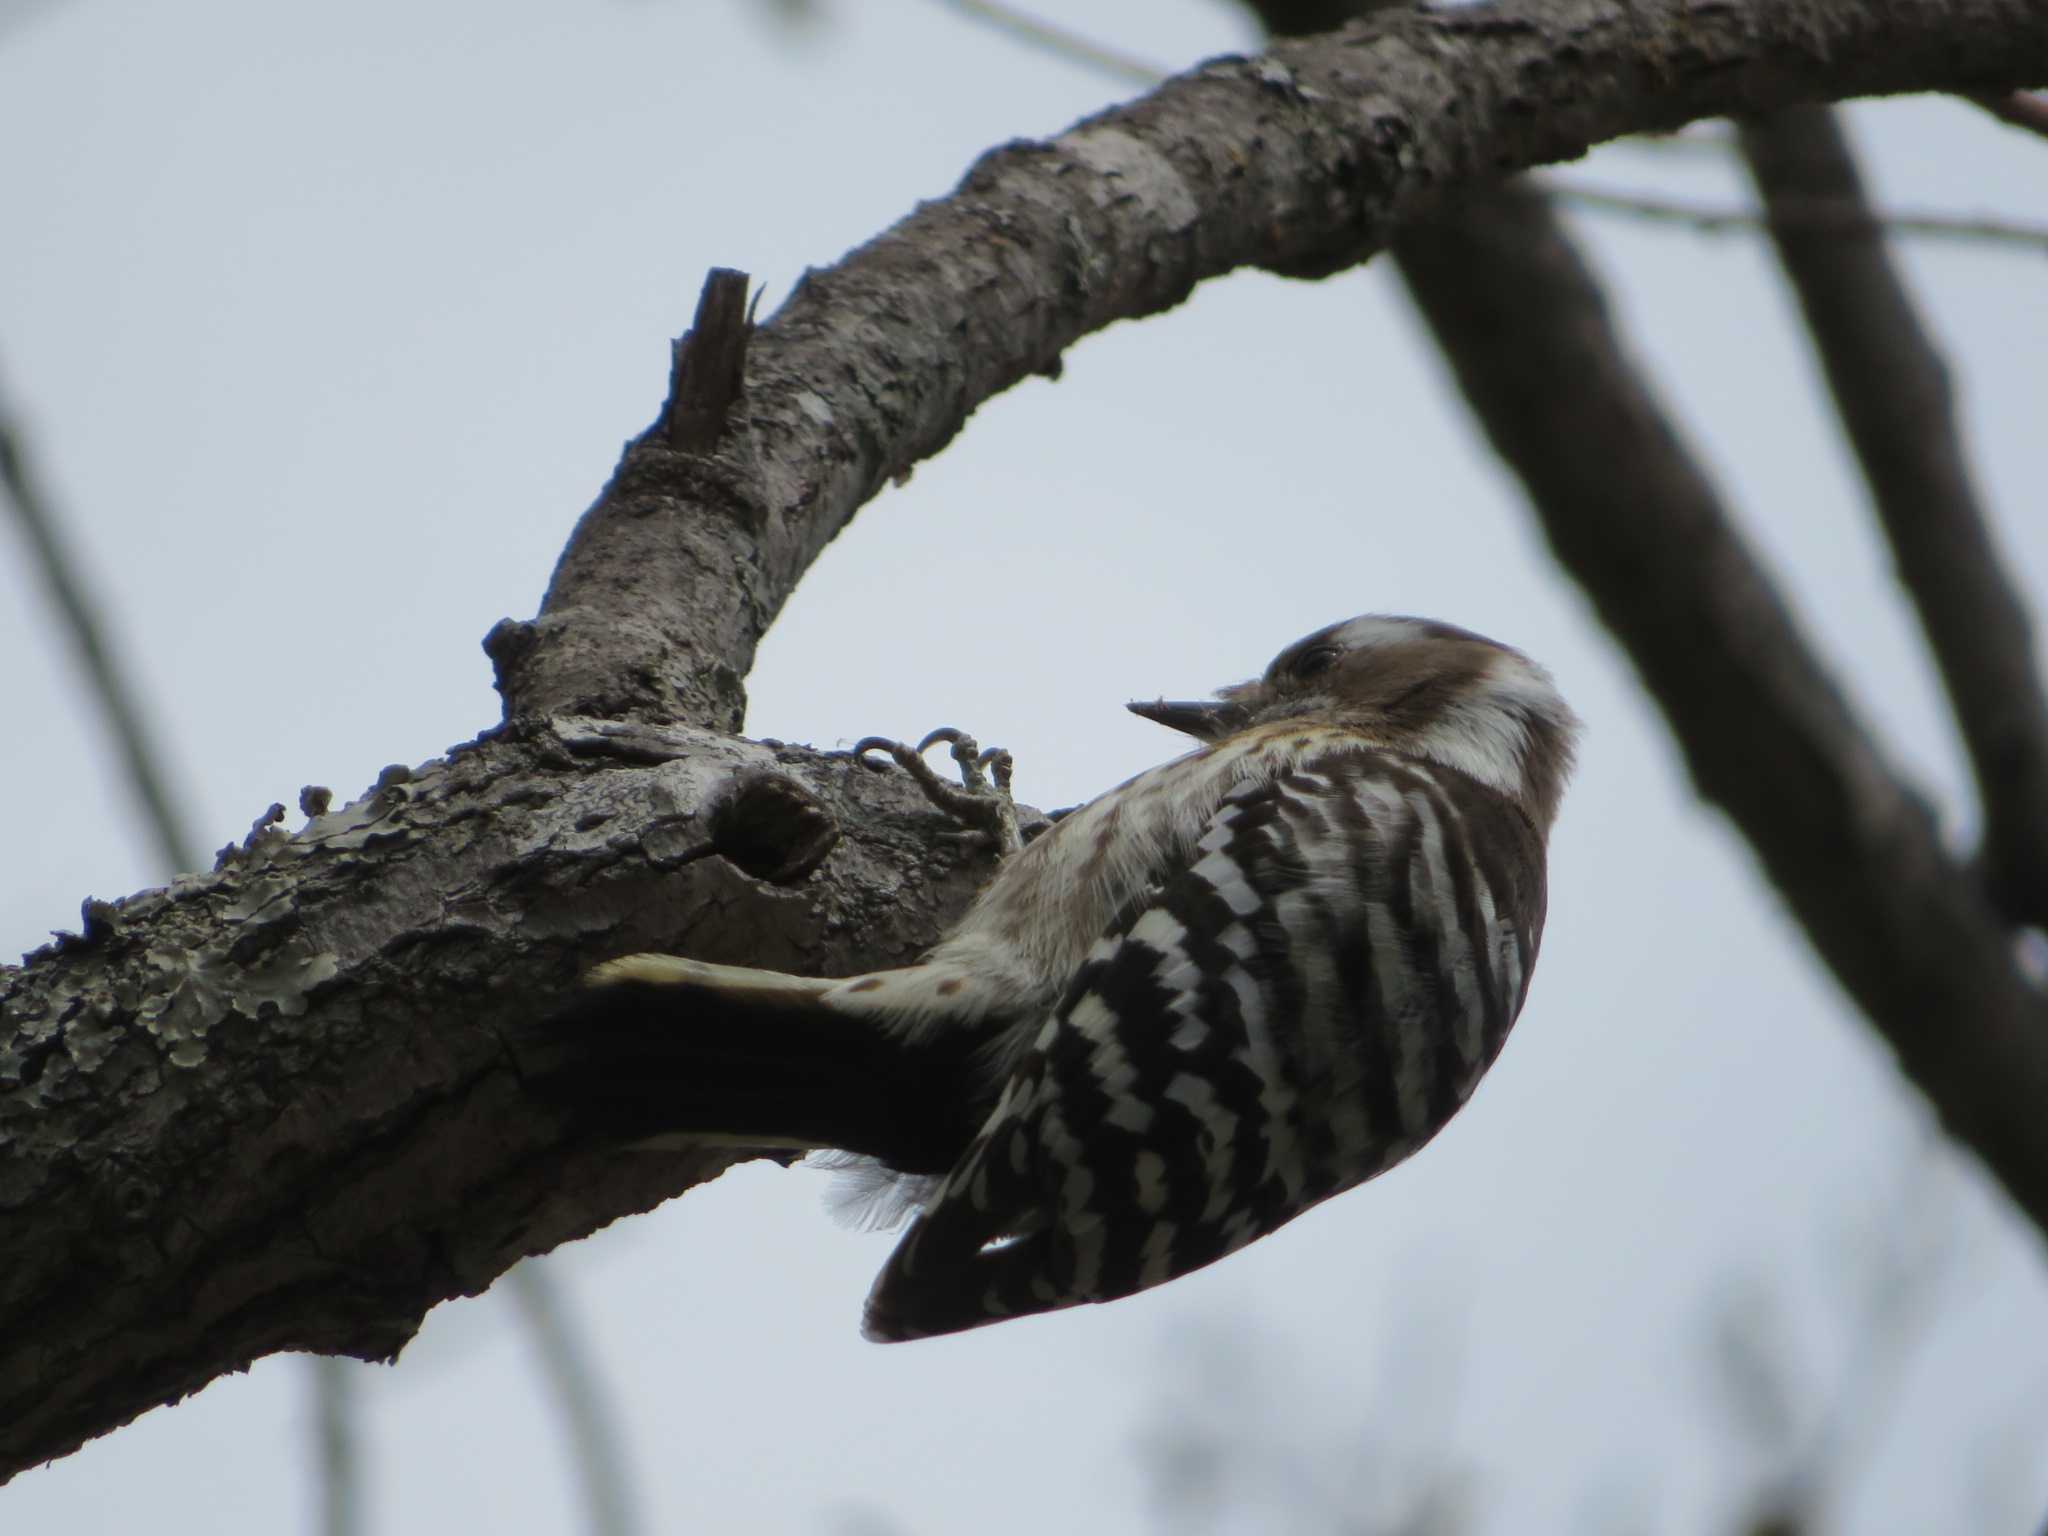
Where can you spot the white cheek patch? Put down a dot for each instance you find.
(1525, 688)
(1482, 740)
(1486, 735)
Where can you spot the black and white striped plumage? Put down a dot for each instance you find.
(1231, 987)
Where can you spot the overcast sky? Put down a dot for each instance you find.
(327, 323)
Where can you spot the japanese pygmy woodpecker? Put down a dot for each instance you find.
(1227, 989)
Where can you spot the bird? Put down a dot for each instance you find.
(1233, 986)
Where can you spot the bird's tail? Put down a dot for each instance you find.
(987, 1247)
(657, 1046)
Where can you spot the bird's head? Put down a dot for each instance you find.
(1415, 686)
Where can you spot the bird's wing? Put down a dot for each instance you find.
(1301, 1005)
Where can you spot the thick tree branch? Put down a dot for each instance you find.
(1766, 733)
(279, 1106)
(1893, 393)
(1299, 162)
(339, 1478)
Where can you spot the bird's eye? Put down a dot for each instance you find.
(1315, 660)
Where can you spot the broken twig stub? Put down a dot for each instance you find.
(708, 364)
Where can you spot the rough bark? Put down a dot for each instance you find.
(279, 1106)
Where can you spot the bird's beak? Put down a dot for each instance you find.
(1203, 719)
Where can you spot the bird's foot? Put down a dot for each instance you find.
(980, 802)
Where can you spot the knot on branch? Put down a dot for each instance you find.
(772, 828)
(508, 645)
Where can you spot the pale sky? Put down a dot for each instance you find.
(327, 324)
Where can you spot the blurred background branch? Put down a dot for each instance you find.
(1020, 25)
(595, 1442)
(595, 1448)
(1896, 405)
(336, 1437)
(87, 634)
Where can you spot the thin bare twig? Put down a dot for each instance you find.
(579, 1394)
(1817, 1451)
(340, 1476)
(1892, 392)
(24, 12)
(141, 757)
(1060, 41)
(1817, 215)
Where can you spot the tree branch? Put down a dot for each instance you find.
(279, 1106)
(1892, 391)
(1300, 162)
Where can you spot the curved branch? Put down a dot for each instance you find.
(1299, 162)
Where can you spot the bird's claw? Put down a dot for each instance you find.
(980, 802)
(946, 733)
(981, 771)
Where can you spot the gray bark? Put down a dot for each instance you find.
(279, 1106)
